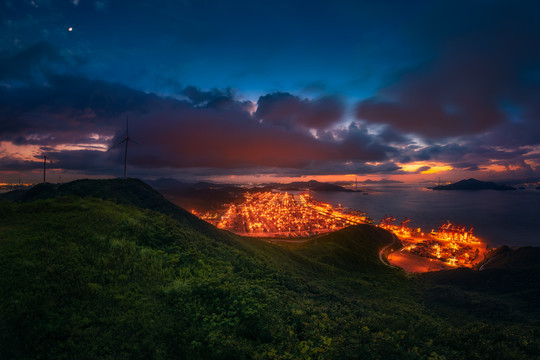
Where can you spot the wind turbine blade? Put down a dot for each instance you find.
(115, 145)
(130, 139)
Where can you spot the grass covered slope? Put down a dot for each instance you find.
(122, 191)
(88, 278)
(506, 286)
(353, 249)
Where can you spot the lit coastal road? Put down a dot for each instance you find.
(381, 252)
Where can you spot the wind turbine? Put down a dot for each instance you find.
(44, 167)
(126, 141)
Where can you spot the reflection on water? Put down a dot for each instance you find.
(498, 217)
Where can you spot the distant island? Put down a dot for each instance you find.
(473, 184)
(168, 183)
(313, 185)
(204, 196)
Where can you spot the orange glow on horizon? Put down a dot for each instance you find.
(19, 152)
(434, 168)
(437, 169)
(29, 152)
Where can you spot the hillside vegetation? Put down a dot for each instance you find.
(114, 271)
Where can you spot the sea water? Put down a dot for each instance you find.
(499, 217)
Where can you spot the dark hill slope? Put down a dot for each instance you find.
(86, 278)
(526, 257)
(504, 270)
(505, 286)
(12, 195)
(355, 249)
(351, 250)
(122, 191)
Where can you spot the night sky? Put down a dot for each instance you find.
(270, 90)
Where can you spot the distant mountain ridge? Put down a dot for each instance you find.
(313, 185)
(170, 183)
(203, 196)
(473, 184)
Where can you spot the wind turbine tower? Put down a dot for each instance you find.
(125, 141)
(44, 167)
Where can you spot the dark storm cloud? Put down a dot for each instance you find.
(316, 168)
(67, 109)
(286, 110)
(209, 129)
(454, 97)
(36, 62)
(439, 152)
(85, 161)
(391, 136)
(422, 168)
(194, 137)
(199, 97)
(23, 64)
(357, 144)
(484, 65)
(448, 82)
(458, 153)
(82, 161)
(232, 138)
(467, 166)
(523, 127)
(10, 164)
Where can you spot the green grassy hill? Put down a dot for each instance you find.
(12, 195)
(122, 191)
(353, 249)
(111, 271)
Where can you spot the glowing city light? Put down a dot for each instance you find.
(452, 244)
(282, 214)
(275, 214)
